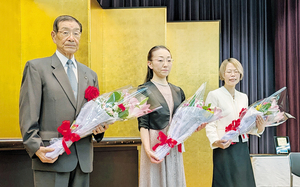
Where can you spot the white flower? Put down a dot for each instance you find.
(108, 110)
(115, 107)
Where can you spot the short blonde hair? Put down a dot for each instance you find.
(236, 64)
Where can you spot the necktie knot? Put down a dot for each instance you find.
(70, 63)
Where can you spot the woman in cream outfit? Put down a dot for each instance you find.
(231, 160)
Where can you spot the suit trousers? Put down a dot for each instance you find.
(75, 178)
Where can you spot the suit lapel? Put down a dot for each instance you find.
(61, 76)
(82, 85)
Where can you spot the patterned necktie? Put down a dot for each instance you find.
(72, 77)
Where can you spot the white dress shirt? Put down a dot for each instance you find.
(64, 61)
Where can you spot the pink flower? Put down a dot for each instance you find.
(133, 101)
(274, 105)
(279, 116)
(217, 112)
(136, 111)
(199, 106)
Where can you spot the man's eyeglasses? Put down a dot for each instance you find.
(67, 33)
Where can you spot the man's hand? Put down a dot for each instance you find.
(223, 144)
(100, 129)
(41, 153)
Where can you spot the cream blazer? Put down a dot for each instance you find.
(230, 110)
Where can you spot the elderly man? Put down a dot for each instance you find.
(52, 91)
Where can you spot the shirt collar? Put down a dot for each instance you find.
(227, 92)
(64, 59)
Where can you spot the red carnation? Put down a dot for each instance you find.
(229, 128)
(122, 107)
(242, 112)
(237, 123)
(233, 125)
(91, 93)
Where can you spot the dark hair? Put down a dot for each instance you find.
(65, 18)
(149, 74)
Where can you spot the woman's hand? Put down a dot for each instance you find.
(260, 124)
(223, 144)
(153, 158)
(202, 126)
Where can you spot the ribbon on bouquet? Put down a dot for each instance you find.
(233, 126)
(65, 130)
(165, 140)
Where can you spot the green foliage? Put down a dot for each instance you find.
(144, 101)
(264, 108)
(206, 107)
(193, 101)
(114, 97)
(123, 114)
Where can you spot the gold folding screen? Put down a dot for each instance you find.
(195, 49)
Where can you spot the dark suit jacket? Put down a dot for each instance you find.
(159, 119)
(47, 99)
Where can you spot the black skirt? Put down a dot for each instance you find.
(232, 166)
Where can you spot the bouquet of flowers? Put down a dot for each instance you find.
(188, 117)
(272, 109)
(122, 104)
